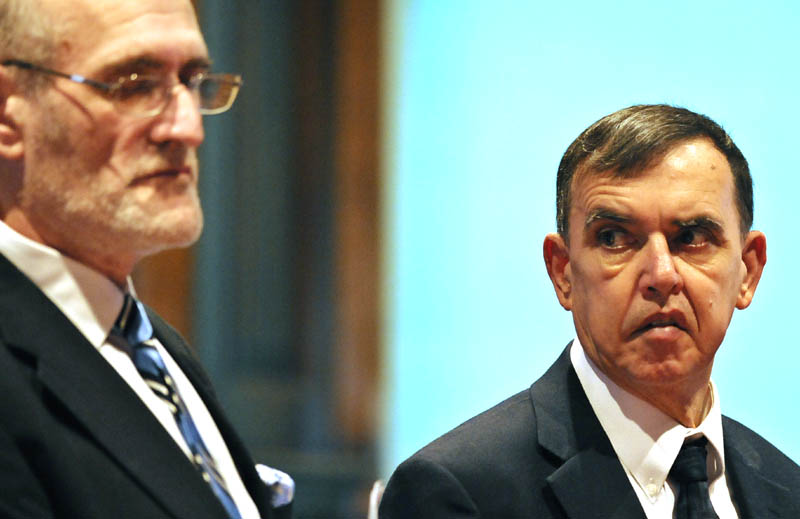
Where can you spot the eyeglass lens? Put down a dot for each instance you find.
(145, 95)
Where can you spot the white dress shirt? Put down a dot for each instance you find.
(647, 441)
(92, 302)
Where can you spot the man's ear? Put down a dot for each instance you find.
(754, 257)
(556, 259)
(11, 142)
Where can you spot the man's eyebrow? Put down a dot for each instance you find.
(605, 215)
(130, 65)
(197, 63)
(703, 222)
(150, 63)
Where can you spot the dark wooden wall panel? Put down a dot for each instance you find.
(358, 216)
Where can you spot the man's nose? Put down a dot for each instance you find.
(180, 120)
(660, 277)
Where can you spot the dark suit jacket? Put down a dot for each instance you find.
(543, 454)
(76, 441)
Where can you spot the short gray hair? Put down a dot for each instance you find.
(626, 142)
(27, 33)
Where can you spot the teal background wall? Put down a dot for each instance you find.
(483, 97)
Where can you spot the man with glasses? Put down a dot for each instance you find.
(104, 412)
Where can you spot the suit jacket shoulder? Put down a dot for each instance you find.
(541, 453)
(480, 469)
(763, 480)
(75, 441)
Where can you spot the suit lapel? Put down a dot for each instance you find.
(92, 391)
(756, 496)
(590, 482)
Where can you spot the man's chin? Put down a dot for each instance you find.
(173, 237)
(661, 372)
(181, 240)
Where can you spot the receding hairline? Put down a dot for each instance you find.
(68, 18)
(591, 168)
(27, 31)
(632, 138)
(584, 172)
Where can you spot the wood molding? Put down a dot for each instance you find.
(357, 216)
(164, 281)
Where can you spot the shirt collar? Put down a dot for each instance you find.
(645, 439)
(90, 300)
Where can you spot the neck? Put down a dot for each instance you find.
(688, 406)
(114, 267)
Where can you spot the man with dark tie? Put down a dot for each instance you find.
(105, 413)
(654, 252)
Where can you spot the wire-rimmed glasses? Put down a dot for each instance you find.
(145, 95)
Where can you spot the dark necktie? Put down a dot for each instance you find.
(134, 327)
(690, 475)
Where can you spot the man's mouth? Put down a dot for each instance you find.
(660, 324)
(673, 321)
(164, 173)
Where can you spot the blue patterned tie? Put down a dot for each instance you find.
(134, 327)
(690, 475)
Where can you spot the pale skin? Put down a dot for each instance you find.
(104, 187)
(652, 271)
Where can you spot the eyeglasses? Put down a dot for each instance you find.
(146, 95)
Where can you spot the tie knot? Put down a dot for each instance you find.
(690, 465)
(132, 323)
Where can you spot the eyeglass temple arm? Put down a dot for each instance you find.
(72, 77)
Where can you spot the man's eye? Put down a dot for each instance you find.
(692, 237)
(136, 87)
(611, 238)
(192, 76)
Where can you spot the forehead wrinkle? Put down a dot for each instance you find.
(111, 31)
(149, 54)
